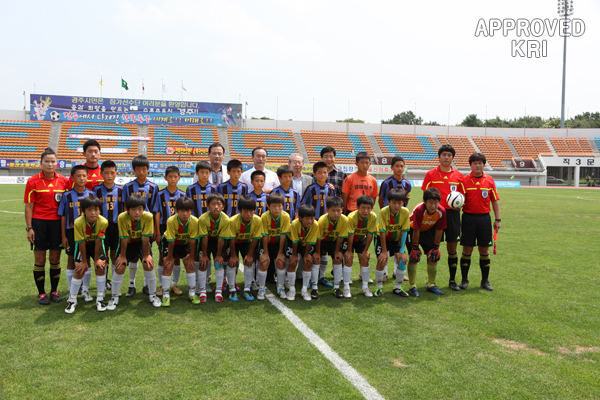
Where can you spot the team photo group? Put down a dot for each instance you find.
(279, 228)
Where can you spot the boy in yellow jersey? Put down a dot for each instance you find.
(276, 227)
(394, 224)
(303, 244)
(362, 225)
(89, 232)
(333, 229)
(214, 230)
(246, 230)
(136, 227)
(181, 235)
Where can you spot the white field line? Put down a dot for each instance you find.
(583, 198)
(12, 212)
(4, 201)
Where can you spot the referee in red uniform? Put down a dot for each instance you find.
(479, 191)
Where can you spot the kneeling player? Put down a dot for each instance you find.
(89, 231)
(424, 217)
(303, 244)
(181, 235)
(136, 227)
(333, 230)
(394, 224)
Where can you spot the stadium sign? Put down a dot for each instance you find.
(107, 150)
(28, 164)
(104, 137)
(187, 151)
(155, 167)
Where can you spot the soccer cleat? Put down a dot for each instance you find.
(291, 296)
(305, 295)
(219, 297)
(101, 306)
(413, 292)
(325, 282)
(197, 300)
(208, 288)
(281, 293)
(261, 294)
(248, 295)
(175, 289)
(314, 294)
(486, 285)
(367, 292)
(166, 302)
(254, 286)
(464, 285)
(378, 292)
(452, 285)
(108, 286)
(286, 285)
(224, 288)
(360, 279)
(400, 292)
(131, 291)
(43, 299)
(202, 298)
(237, 288)
(159, 291)
(338, 293)
(145, 290)
(233, 296)
(87, 297)
(347, 294)
(434, 289)
(112, 304)
(156, 302)
(70, 307)
(55, 297)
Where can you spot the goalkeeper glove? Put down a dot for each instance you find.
(415, 254)
(435, 253)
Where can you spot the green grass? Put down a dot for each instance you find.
(535, 336)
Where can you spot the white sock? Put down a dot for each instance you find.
(165, 281)
(100, 286)
(87, 279)
(337, 275)
(231, 278)
(291, 277)
(323, 267)
(347, 277)
(201, 280)
(400, 273)
(209, 269)
(133, 266)
(262, 278)
(197, 273)
(176, 273)
(75, 285)
(280, 278)
(248, 276)
(219, 276)
(314, 275)
(364, 273)
(151, 281)
(70, 273)
(379, 278)
(159, 271)
(305, 279)
(113, 267)
(191, 278)
(117, 282)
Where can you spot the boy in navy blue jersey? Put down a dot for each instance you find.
(285, 174)
(164, 209)
(233, 190)
(69, 211)
(258, 181)
(317, 194)
(110, 195)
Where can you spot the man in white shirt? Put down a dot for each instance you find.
(259, 158)
(300, 181)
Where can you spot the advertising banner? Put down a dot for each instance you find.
(187, 151)
(155, 167)
(29, 164)
(104, 137)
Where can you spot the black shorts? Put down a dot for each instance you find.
(426, 240)
(212, 246)
(359, 247)
(71, 239)
(134, 250)
(47, 234)
(241, 250)
(329, 247)
(90, 252)
(392, 247)
(273, 249)
(289, 249)
(179, 250)
(476, 230)
(452, 232)
(111, 238)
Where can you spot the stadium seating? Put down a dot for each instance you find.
(463, 148)
(279, 143)
(495, 150)
(346, 144)
(570, 146)
(67, 146)
(23, 139)
(597, 140)
(417, 150)
(164, 137)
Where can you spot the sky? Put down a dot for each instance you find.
(320, 59)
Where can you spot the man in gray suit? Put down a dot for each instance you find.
(300, 181)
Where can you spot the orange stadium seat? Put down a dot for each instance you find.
(495, 149)
(463, 148)
(346, 144)
(67, 146)
(23, 139)
(570, 146)
(417, 150)
(178, 136)
(279, 143)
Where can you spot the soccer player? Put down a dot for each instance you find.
(233, 190)
(246, 230)
(360, 183)
(258, 181)
(480, 190)
(424, 217)
(447, 179)
(164, 208)
(276, 227)
(42, 197)
(214, 231)
(333, 230)
(136, 227)
(69, 212)
(285, 174)
(181, 235)
(394, 224)
(149, 192)
(396, 181)
(90, 229)
(91, 152)
(303, 245)
(362, 225)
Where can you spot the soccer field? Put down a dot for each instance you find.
(535, 336)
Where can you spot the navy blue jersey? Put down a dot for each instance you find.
(317, 196)
(199, 194)
(232, 195)
(261, 202)
(392, 183)
(292, 200)
(165, 204)
(112, 205)
(148, 190)
(69, 205)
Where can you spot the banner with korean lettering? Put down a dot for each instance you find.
(155, 167)
(133, 111)
(28, 164)
(187, 151)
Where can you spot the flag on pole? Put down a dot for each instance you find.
(101, 83)
(124, 84)
(165, 88)
(183, 87)
(143, 88)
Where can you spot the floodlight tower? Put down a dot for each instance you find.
(565, 9)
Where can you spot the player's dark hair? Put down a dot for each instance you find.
(364, 199)
(78, 168)
(257, 173)
(184, 203)
(235, 163)
(215, 196)
(396, 194)
(361, 155)
(202, 165)
(275, 198)
(432, 194)
(140, 161)
(284, 169)
(216, 144)
(91, 142)
(306, 210)
(108, 164)
(259, 148)
(135, 201)
(327, 149)
(447, 148)
(90, 202)
(395, 159)
(477, 157)
(247, 203)
(335, 202)
(318, 165)
(172, 169)
(47, 152)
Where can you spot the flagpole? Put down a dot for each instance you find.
(121, 86)
(182, 90)
(101, 82)
(162, 96)
(143, 89)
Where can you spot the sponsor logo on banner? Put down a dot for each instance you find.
(28, 164)
(188, 151)
(107, 150)
(103, 137)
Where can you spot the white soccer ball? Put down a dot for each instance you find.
(219, 125)
(455, 200)
(55, 116)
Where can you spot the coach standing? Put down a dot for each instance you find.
(259, 158)
(300, 181)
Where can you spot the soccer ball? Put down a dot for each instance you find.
(54, 115)
(455, 200)
(219, 125)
